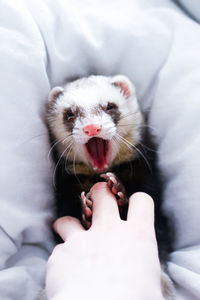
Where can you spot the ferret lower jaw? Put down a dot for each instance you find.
(80, 169)
(98, 164)
(83, 169)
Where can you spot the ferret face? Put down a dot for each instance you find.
(95, 121)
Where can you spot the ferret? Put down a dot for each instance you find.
(98, 132)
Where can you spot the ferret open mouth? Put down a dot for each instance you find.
(98, 150)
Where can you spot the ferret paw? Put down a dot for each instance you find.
(116, 188)
(86, 209)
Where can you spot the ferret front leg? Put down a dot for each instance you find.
(117, 188)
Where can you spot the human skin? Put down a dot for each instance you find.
(114, 259)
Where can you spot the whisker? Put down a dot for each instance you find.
(42, 134)
(58, 163)
(149, 126)
(34, 137)
(148, 148)
(129, 114)
(153, 129)
(133, 124)
(66, 159)
(130, 144)
(74, 167)
(116, 145)
(56, 143)
(70, 148)
(130, 165)
(124, 141)
(66, 170)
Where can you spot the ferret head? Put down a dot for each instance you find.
(95, 121)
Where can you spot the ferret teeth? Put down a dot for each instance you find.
(95, 168)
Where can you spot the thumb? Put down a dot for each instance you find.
(66, 226)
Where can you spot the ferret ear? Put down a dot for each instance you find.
(55, 93)
(124, 84)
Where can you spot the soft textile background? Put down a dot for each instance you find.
(45, 42)
(191, 7)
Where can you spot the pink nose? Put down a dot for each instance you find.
(92, 129)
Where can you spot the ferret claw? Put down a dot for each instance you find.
(111, 180)
(121, 199)
(120, 195)
(86, 199)
(116, 187)
(86, 209)
(83, 197)
(88, 196)
(89, 203)
(85, 222)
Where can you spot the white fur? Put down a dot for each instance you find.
(88, 94)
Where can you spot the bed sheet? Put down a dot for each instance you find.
(43, 43)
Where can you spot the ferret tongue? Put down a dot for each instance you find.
(97, 150)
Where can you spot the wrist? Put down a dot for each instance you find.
(117, 292)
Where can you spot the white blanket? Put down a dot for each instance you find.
(43, 43)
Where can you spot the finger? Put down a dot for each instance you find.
(66, 226)
(104, 203)
(141, 211)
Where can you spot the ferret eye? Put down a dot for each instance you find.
(69, 115)
(111, 106)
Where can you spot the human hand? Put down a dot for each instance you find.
(114, 259)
